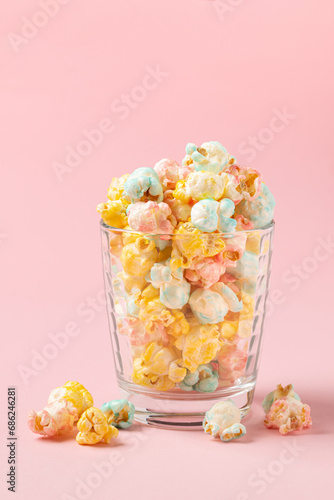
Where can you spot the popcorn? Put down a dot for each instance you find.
(189, 253)
(204, 379)
(65, 406)
(225, 212)
(119, 412)
(279, 393)
(114, 213)
(201, 185)
(248, 182)
(151, 217)
(93, 427)
(231, 363)
(56, 418)
(209, 215)
(174, 289)
(211, 157)
(204, 215)
(285, 412)
(116, 188)
(138, 258)
(208, 306)
(212, 305)
(259, 211)
(152, 368)
(246, 270)
(75, 393)
(199, 346)
(169, 172)
(143, 184)
(180, 210)
(206, 271)
(223, 421)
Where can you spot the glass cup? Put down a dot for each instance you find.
(186, 316)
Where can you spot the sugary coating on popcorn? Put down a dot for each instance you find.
(231, 363)
(114, 213)
(116, 188)
(189, 249)
(143, 184)
(288, 414)
(158, 367)
(138, 257)
(223, 421)
(119, 412)
(75, 393)
(259, 211)
(211, 305)
(204, 379)
(56, 418)
(169, 172)
(202, 185)
(93, 427)
(199, 346)
(279, 393)
(65, 405)
(210, 156)
(246, 184)
(151, 217)
(204, 272)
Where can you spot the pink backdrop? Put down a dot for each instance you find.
(152, 76)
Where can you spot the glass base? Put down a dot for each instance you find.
(186, 413)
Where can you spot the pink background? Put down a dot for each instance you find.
(230, 72)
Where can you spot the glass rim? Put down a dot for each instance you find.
(169, 236)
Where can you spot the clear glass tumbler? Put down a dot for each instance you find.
(186, 315)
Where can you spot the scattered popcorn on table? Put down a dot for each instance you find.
(65, 406)
(187, 252)
(119, 413)
(223, 421)
(285, 411)
(93, 427)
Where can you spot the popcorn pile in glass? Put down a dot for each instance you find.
(186, 255)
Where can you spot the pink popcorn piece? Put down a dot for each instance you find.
(151, 217)
(287, 415)
(56, 418)
(206, 271)
(169, 172)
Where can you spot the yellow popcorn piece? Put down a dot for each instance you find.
(75, 393)
(132, 284)
(93, 427)
(149, 293)
(116, 188)
(247, 311)
(138, 257)
(180, 192)
(114, 213)
(199, 346)
(190, 243)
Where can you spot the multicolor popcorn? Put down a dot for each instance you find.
(285, 411)
(119, 413)
(186, 251)
(65, 405)
(223, 421)
(93, 427)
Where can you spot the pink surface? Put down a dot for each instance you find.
(227, 73)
